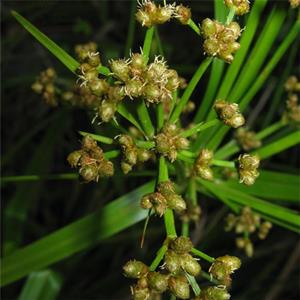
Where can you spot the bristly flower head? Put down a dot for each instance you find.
(241, 7)
(248, 165)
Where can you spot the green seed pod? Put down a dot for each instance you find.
(134, 88)
(143, 155)
(173, 80)
(183, 14)
(125, 140)
(176, 202)
(182, 143)
(235, 29)
(264, 230)
(120, 69)
(152, 93)
(88, 143)
(211, 46)
(37, 87)
(139, 293)
(137, 61)
(143, 18)
(205, 173)
(99, 87)
(179, 287)
(249, 248)
(146, 201)
(236, 121)
(215, 293)
(208, 27)
(91, 74)
(166, 187)
(89, 172)
(163, 144)
(159, 203)
(241, 7)
(232, 263)
(94, 59)
(107, 110)
(219, 270)
(190, 265)
(105, 168)
(74, 158)
(172, 261)
(181, 245)
(126, 167)
(158, 281)
(130, 155)
(135, 269)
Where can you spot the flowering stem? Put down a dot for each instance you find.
(230, 16)
(98, 138)
(112, 154)
(223, 163)
(203, 255)
(193, 25)
(189, 90)
(159, 256)
(185, 229)
(269, 130)
(168, 215)
(147, 43)
(199, 127)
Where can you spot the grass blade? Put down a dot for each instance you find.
(78, 236)
(44, 285)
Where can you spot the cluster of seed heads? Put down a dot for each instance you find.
(213, 293)
(153, 82)
(223, 267)
(202, 164)
(150, 14)
(294, 3)
(44, 85)
(247, 223)
(131, 153)
(292, 112)
(240, 7)
(168, 142)
(108, 95)
(229, 113)
(172, 277)
(220, 40)
(247, 168)
(247, 139)
(90, 161)
(165, 197)
(191, 214)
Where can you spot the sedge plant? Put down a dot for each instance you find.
(183, 154)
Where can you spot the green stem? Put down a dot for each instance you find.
(199, 127)
(21, 178)
(185, 229)
(230, 16)
(194, 26)
(131, 28)
(144, 118)
(203, 255)
(269, 130)
(160, 117)
(168, 215)
(145, 144)
(112, 154)
(223, 163)
(147, 43)
(189, 90)
(98, 138)
(159, 256)
(209, 277)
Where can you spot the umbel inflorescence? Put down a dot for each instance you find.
(145, 86)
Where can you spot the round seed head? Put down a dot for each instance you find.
(208, 27)
(74, 158)
(183, 14)
(89, 172)
(158, 281)
(135, 269)
(181, 245)
(179, 287)
(172, 261)
(190, 265)
(215, 293)
(146, 202)
(98, 87)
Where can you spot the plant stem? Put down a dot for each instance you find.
(98, 138)
(21, 178)
(185, 229)
(230, 15)
(209, 277)
(131, 28)
(147, 43)
(112, 154)
(203, 255)
(269, 130)
(168, 215)
(223, 163)
(192, 191)
(194, 26)
(145, 144)
(199, 127)
(159, 256)
(189, 90)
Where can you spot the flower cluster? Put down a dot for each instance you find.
(223, 267)
(240, 7)
(247, 168)
(229, 113)
(246, 223)
(108, 95)
(202, 164)
(220, 40)
(214, 293)
(131, 153)
(154, 82)
(292, 112)
(168, 142)
(247, 139)
(294, 3)
(91, 161)
(150, 14)
(177, 263)
(44, 85)
(165, 197)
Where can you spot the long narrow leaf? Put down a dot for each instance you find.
(76, 237)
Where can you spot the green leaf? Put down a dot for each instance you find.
(57, 51)
(98, 138)
(279, 145)
(44, 285)
(76, 237)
